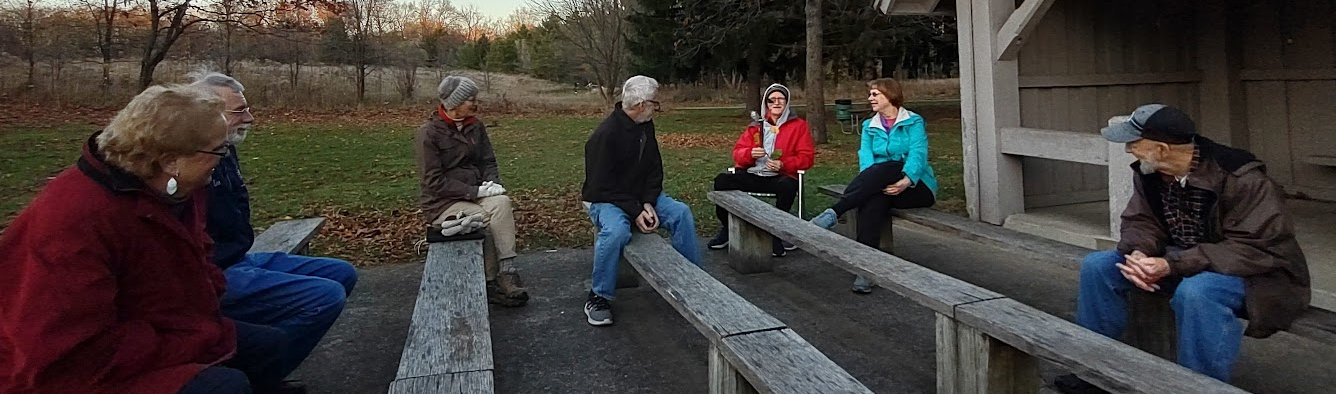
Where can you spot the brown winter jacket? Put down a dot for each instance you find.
(1249, 231)
(453, 160)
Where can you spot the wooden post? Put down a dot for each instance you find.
(724, 379)
(992, 89)
(1150, 324)
(971, 362)
(1120, 186)
(748, 247)
(1223, 112)
(969, 129)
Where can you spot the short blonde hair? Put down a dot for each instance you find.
(160, 121)
(889, 88)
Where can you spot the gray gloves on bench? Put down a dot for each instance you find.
(454, 225)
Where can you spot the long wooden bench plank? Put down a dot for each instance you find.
(1316, 323)
(476, 382)
(288, 236)
(450, 332)
(780, 361)
(938, 292)
(980, 232)
(714, 309)
(744, 340)
(1098, 359)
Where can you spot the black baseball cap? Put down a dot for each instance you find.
(1155, 122)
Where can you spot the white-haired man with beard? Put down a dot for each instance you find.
(1206, 225)
(300, 295)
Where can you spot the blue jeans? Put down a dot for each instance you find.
(1206, 307)
(300, 295)
(217, 380)
(614, 232)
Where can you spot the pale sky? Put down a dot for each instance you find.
(494, 9)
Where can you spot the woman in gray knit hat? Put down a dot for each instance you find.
(461, 186)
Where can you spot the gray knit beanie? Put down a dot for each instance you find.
(454, 90)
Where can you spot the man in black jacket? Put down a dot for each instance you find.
(624, 180)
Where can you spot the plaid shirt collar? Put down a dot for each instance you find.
(1185, 207)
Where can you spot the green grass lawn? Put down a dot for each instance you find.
(363, 177)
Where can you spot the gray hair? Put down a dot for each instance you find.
(638, 89)
(215, 79)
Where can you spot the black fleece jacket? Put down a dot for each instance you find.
(622, 164)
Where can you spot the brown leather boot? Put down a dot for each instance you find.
(498, 297)
(512, 286)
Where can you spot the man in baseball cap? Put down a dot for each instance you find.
(1208, 226)
(1156, 122)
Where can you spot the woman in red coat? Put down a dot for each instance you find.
(107, 285)
(767, 158)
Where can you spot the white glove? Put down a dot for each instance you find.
(489, 189)
(486, 191)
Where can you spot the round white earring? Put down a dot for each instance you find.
(171, 186)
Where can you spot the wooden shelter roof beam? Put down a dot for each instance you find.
(1019, 26)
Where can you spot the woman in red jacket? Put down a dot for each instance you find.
(107, 285)
(768, 156)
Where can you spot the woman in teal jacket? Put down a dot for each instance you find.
(893, 169)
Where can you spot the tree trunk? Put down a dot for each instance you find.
(816, 98)
(361, 81)
(755, 60)
(227, 43)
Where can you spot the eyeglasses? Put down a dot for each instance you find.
(657, 104)
(246, 110)
(772, 100)
(221, 151)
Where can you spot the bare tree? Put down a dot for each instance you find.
(816, 98)
(104, 15)
(364, 21)
(597, 29)
(26, 14)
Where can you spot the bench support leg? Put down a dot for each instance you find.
(1151, 326)
(724, 379)
(627, 275)
(848, 227)
(748, 247)
(971, 362)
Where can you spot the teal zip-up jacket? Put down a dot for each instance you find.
(906, 141)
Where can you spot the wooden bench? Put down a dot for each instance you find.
(289, 236)
(1151, 328)
(750, 351)
(986, 342)
(1321, 160)
(449, 346)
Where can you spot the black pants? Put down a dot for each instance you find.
(784, 188)
(259, 354)
(874, 206)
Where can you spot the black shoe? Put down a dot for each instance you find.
(788, 246)
(1070, 384)
(598, 311)
(777, 249)
(719, 241)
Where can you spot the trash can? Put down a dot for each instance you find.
(844, 110)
